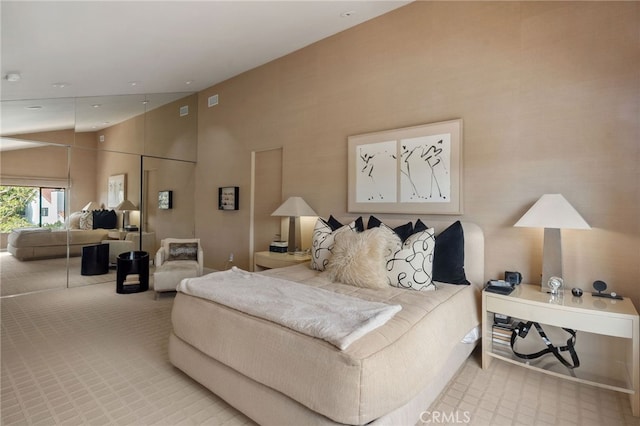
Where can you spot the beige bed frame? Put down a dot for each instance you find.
(269, 407)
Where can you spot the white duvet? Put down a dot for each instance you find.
(337, 318)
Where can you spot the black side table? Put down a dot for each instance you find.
(95, 260)
(132, 263)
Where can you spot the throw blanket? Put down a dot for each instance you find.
(334, 317)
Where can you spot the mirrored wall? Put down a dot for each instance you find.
(92, 153)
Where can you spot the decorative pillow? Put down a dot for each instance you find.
(322, 242)
(105, 219)
(448, 257)
(86, 220)
(74, 220)
(403, 231)
(411, 266)
(334, 224)
(358, 258)
(183, 251)
(419, 226)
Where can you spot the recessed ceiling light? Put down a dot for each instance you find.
(133, 83)
(60, 85)
(34, 107)
(145, 102)
(348, 13)
(96, 105)
(13, 77)
(188, 82)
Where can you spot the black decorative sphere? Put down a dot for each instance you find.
(576, 291)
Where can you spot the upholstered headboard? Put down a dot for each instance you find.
(473, 242)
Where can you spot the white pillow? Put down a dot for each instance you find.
(358, 259)
(74, 220)
(322, 242)
(411, 266)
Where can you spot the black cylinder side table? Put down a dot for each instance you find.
(95, 260)
(132, 272)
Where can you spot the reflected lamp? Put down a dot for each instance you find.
(126, 206)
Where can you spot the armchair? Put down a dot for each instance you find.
(175, 260)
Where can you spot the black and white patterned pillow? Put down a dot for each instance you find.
(411, 265)
(323, 240)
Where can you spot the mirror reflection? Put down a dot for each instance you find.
(80, 167)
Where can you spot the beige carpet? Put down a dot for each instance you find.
(19, 277)
(87, 355)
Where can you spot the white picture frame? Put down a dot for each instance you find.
(410, 170)
(117, 190)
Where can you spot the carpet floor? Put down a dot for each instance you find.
(87, 355)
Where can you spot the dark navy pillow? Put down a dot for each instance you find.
(419, 226)
(335, 224)
(403, 231)
(105, 219)
(448, 256)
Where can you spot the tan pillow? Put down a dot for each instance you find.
(183, 251)
(358, 259)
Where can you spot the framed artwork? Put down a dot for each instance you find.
(165, 200)
(117, 192)
(228, 197)
(411, 170)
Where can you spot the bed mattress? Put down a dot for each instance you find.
(376, 374)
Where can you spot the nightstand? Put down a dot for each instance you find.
(268, 260)
(607, 340)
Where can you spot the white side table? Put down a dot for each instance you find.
(268, 260)
(616, 319)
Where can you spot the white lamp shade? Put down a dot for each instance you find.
(294, 206)
(126, 205)
(552, 211)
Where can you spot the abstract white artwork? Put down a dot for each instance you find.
(425, 164)
(117, 190)
(410, 170)
(377, 166)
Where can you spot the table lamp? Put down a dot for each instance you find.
(294, 207)
(126, 206)
(553, 213)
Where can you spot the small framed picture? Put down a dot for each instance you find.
(165, 200)
(228, 197)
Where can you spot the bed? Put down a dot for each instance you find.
(387, 376)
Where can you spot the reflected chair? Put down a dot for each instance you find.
(176, 259)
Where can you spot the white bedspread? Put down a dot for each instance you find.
(337, 318)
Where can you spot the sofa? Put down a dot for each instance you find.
(83, 228)
(42, 243)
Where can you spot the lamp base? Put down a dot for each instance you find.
(551, 256)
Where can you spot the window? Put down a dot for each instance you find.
(28, 206)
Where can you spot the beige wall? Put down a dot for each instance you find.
(550, 97)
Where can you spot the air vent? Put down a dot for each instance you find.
(184, 110)
(212, 101)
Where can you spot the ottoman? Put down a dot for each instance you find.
(168, 275)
